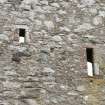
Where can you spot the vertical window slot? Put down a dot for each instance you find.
(22, 33)
(90, 61)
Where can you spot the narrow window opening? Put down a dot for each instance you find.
(90, 61)
(22, 33)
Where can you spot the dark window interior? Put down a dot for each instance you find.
(89, 52)
(22, 32)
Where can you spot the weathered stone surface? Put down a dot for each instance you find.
(31, 102)
(57, 38)
(88, 2)
(72, 93)
(30, 1)
(50, 67)
(49, 24)
(3, 1)
(102, 13)
(81, 88)
(97, 20)
(84, 27)
(48, 70)
(55, 5)
(93, 11)
(4, 37)
(11, 85)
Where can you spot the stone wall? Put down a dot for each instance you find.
(50, 67)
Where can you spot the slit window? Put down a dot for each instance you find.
(90, 61)
(22, 33)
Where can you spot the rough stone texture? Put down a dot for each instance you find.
(50, 67)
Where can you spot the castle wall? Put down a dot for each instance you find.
(50, 67)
